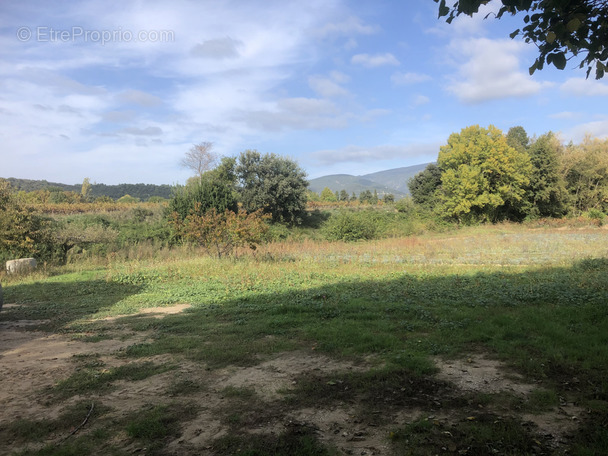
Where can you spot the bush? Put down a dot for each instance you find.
(221, 233)
(350, 226)
(201, 197)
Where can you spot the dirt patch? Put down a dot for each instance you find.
(478, 374)
(482, 375)
(270, 378)
(156, 312)
(31, 361)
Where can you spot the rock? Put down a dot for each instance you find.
(21, 265)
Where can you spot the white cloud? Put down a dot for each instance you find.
(326, 87)
(140, 98)
(400, 78)
(372, 61)
(489, 70)
(597, 129)
(582, 87)
(220, 48)
(347, 27)
(420, 100)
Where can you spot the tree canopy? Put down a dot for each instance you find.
(561, 29)
(275, 184)
(482, 177)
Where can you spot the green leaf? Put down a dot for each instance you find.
(574, 25)
(514, 34)
(551, 37)
(559, 60)
(443, 10)
(532, 69)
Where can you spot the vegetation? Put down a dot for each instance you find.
(482, 177)
(560, 29)
(274, 184)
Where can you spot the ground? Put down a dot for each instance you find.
(351, 422)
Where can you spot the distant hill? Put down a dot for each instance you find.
(390, 181)
(141, 191)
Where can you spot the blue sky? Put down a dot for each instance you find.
(118, 91)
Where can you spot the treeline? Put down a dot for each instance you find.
(51, 191)
(483, 175)
(365, 197)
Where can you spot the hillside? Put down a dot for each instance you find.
(389, 181)
(141, 191)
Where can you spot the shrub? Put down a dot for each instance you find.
(350, 226)
(201, 197)
(221, 233)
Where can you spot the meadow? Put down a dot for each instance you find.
(479, 340)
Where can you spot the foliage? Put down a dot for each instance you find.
(202, 196)
(40, 188)
(482, 177)
(85, 191)
(585, 169)
(367, 197)
(222, 233)
(558, 28)
(518, 139)
(328, 195)
(23, 233)
(423, 186)
(128, 199)
(547, 190)
(200, 158)
(350, 226)
(274, 184)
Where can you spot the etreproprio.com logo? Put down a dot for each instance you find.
(44, 34)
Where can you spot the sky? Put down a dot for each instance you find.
(119, 91)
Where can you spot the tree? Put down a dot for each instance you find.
(366, 197)
(202, 196)
(585, 169)
(327, 195)
(343, 196)
(547, 190)
(518, 138)
(22, 232)
(423, 186)
(560, 29)
(220, 233)
(388, 198)
(482, 177)
(200, 158)
(85, 191)
(275, 184)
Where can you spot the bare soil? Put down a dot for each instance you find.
(31, 362)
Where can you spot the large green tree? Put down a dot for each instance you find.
(585, 169)
(423, 186)
(275, 184)
(560, 29)
(482, 177)
(547, 191)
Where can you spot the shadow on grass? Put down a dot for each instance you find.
(551, 324)
(54, 305)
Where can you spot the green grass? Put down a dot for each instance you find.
(92, 377)
(544, 317)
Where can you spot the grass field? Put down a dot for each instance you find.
(480, 341)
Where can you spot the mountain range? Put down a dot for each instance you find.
(389, 181)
